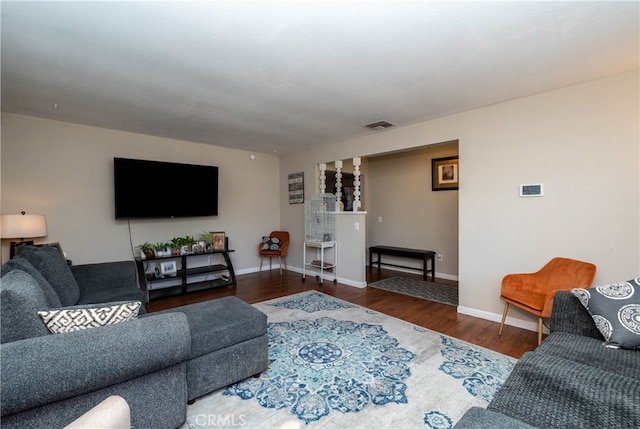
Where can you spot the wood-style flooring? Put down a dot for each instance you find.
(256, 287)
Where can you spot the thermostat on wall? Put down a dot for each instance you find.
(533, 190)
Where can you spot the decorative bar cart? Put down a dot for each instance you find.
(320, 230)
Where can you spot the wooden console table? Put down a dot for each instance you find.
(423, 255)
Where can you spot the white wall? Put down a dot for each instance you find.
(65, 171)
(582, 142)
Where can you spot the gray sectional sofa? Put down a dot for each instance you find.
(570, 381)
(157, 362)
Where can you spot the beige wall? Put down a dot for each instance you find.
(582, 142)
(399, 192)
(65, 171)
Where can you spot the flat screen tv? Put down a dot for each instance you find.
(154, 189)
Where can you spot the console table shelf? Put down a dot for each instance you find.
(186, 278)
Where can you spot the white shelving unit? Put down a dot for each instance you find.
(320, 231)
(319, 264)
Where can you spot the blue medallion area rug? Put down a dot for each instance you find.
(333, 364)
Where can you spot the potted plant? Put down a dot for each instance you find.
(183, 245)
(207, 238)
(146, 250)
(162, 249)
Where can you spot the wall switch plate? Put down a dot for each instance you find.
(439, 256)
(532, 190)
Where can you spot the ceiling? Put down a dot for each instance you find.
(281, 77)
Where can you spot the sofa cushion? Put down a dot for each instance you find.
(221, 323)
(588, 351)
(21, 297)
(481, 418)
(122, 293)
(22, 264)
(548, 391)
(53, 267)
(76, 319)
(615, 309)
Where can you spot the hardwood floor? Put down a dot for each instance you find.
(256, 287)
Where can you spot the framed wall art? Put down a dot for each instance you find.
(296, 188)
(444, 174)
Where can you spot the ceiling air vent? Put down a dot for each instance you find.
(380, 125)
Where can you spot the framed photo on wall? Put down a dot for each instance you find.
(444, 174)
(296, 188)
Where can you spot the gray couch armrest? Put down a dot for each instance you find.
(569, 315)
(41, 370)
(107, 275)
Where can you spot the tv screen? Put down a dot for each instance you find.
(154, 189)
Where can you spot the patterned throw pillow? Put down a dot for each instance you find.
(270, 243)
(76, 319)
(615, 309)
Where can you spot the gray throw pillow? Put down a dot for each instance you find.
(615, 309)
(53, 267)
(21, 297)
(19, 263)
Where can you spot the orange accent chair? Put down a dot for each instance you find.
(534, 292)
(281, 254)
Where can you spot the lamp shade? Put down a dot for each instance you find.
(23, 226)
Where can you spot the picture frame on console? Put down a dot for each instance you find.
(444, 174)
(169, 268)
(218, 240)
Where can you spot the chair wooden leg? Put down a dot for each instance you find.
(280, 264)
(261, 258)
(504, 317)
(270, 262)
(539, 330)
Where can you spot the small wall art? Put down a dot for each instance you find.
(444, 174)
(296, 188)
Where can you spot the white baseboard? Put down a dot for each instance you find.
(413, 271)
(331, 277)
(495, 317)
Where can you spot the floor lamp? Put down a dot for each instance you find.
(22, 226)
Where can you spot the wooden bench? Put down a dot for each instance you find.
(423, 255)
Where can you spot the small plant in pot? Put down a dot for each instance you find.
(207, 238)
(162, 249)
(183, 245)
(146, 251)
